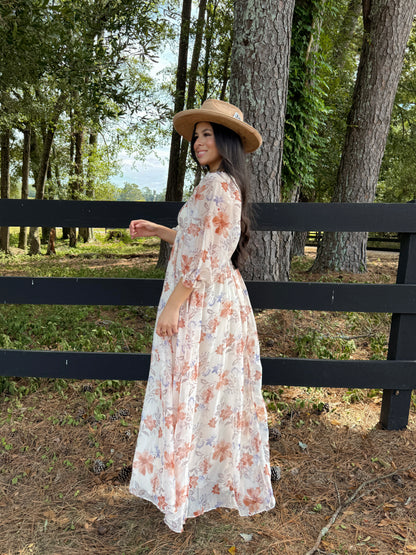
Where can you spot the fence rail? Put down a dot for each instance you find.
(396, 376)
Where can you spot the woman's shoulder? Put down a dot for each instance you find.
(220, 181)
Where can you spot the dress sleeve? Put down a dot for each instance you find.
(212, 232)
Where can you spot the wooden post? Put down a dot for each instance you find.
(402, 344)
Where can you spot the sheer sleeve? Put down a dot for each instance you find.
(212, 230)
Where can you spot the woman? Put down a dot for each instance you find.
(203, 439)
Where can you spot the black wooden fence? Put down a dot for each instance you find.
(396, 376)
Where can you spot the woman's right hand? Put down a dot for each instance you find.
(143, 228)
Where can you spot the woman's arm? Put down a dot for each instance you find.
(144, 228)
(167, 323)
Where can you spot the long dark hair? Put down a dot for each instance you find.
(231, 150)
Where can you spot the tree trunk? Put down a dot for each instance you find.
(86, 233)
(76, 184)
(259, 82)
(387, 27)
(346, 34)
(190, 101)
(226, 71)
(25, 180)
(5, 184)
(33, 239)
(51, 241)
(208, 42)
(174, 191)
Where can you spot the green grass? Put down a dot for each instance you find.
(80, 328)
(100, 258)
(75, 328)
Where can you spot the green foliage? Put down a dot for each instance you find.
(93, 57)
(132, 192)
(354, 396)
(315, 344)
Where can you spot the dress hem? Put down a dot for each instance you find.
(233, 507)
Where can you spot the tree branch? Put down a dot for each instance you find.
(344, 505)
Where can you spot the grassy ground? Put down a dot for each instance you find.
(66, 446)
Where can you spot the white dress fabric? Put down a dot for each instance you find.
(203, 438)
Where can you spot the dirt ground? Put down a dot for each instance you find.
(66, 450)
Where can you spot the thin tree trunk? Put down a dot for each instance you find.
(345, 34)
(5, 184)
(259, 83)
(208, 42)
(190, 101)
(25, 180)
(33, 239)
(48, 195)
(86, 233)
(76, 181)
(174, 191)
(226, 72)
(387, 27)
(299, 237)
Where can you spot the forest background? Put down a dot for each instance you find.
(79, 87)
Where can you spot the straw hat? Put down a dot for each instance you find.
(217, 111)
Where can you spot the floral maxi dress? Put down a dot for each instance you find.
(203, 438)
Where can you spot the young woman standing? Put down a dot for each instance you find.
(203, 439)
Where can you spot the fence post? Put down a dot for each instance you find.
(402, 344)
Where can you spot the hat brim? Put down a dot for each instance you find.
(185, 122)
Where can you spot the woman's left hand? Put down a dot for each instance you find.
(167, 323)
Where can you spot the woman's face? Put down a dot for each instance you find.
(205, 147)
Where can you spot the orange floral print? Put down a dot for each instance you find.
(222, 381)
(181, 493)
(246, 460)
(221, 223)
(169, 460)
(144, 463)
(183, 451)
(227, 309)
(186, 263)
(253, 499)
(194, 230)
(204, 467)
(222, 451)
(150, 422)
(207, 396)
(216, 489)
(212, 422)
(199, 191)
(226, 413)
(220, 349)
(193, 481)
